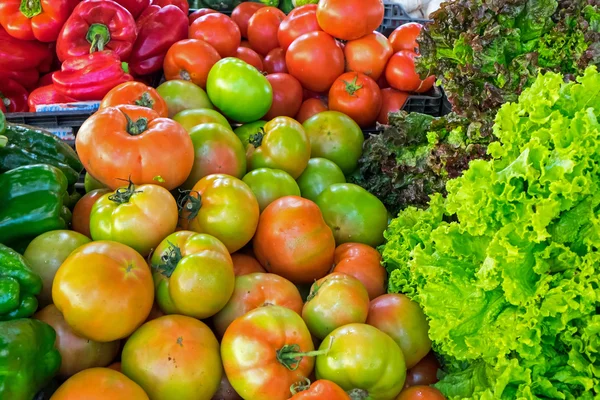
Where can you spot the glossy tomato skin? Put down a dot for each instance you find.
(283, 144)
(405, 36)
(315, 60)
(424, 373)
(350, 19)
(357, 96)
(244, 264)
(270, 331)
(135, 94)
(368, 54)
(275, 62)
(228, 210)
(141, 222)
(219, 31)
(323, 312)
(262, 29)
(251, 57)
(401, 75)
(196, 116)
(364, 263)
(190, 60)
(81, 213)
(104, 290)
(363, 358)
(319, 175)
(183, 95)
(421, 393)
(257, 290)
(309, 108)
(242, 13)
(287, 96)
(269, 185)
(299, 21)
(293, 241)
(319, 390)
(392, 100)
(174, 357)
(99, 384)
(404, 321)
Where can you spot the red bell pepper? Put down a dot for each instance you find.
(182, 4)
(135, 7)
(97, 25)
(35, 19)
(91, 76)
(28, 78)
(13, 96)
(46, 79)
(158, 29)
(46, 95)
(16, 54)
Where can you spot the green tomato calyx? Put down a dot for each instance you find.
(189, 202)
(138, 127)
(353, 87)
(257, 138)
(123, 194)
(290, 355)
(358, 394)
(300, 386)
(145, 101)
(170, 258)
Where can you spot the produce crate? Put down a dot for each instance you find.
(63, 124)
(394, 16)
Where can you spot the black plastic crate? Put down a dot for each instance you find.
(59, 119)
(394, 16)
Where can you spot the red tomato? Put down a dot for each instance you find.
(357, 96)
(242, 13)
(315, 60)
(368, 55)
(309, 94)
(364, 263)
(421, 393)
(251, 57)
(392, 101)
(309, 108)
(244, 264)
(275, 62)
(81, 213)
(201, 13)
(405, 37)
(287, 96)
(262, 29)
(299, 21)
(400, 73)
(245, 43)
(190, 60)
(320, 389)
(424, 373)
(382, 82)
(219, 31)
(350, 19)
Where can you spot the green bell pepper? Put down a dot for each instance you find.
(28, 358)
(19, 286)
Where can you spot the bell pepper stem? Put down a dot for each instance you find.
(98, 35)
(290, 355)
(30, 8)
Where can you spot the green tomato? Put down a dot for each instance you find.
(191, 118)
(269, 185)
(336, 137)
(239, 90)
(245, 131)
(269, 3)
(318, 176)
(90, 183)
(353, 214)
(183, 95)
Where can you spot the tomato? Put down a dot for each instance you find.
(293, 241)
(400, 73)
(190, 60)
(183, 95)
(405, 36)
(276, 335)
(319, 390)
(424, 373)
(244, 264)
(405, 322)
(76, 352)
(336, 137)
(246, 44)
(421, 393)
(315, 60)
(239, 90)
(353, 214)
(362, 359)
(309, 108)
(319, 175)
(257, 290)
(99, 384)
(287, 96)
(46, 253)
(368, 54)
(269, 185)
(200, 13)
(174, 357)
(299, 21)
(262, 29)
(104, 290)
(350, 19)
(90, 183)
(193, 274)
(323, 312)
(226, 392)
(357, 96)
(242, 13)
(275, 62)
(245, 131)
(218, 151)
(137, 216)
(250, 56)
(224, 207)
(135, 94)
(194, 117)
(219, 31)
(133, 142)
(392, 101)
(364, 263)
(81, 213)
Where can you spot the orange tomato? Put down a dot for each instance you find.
(135, 94)
(309, 108)
(319, 390)
(81, 213)
(349, 19)
(190, 60)
(219, 31)
(99, 384)
(368, 55)
(364, 263)
(244, 264)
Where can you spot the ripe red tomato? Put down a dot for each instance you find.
(405, 37)
(190, 60)
(400, 73)
(242, 13)
(201, 13)
(299, 21)
(287, 96)
(421, 393)
(315, 60)
(250, 56)
(219, 31)
(350, 19)
(275, 62)
(364, 263)
(424, 373)
(309, 108)
(368, 54)
(392, 101)
(262, 29)
(357, 96)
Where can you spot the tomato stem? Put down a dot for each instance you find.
(358, 394)
(145, 101)
(30, 8)
(257, 138)
(138, 127)
(352, 87)
(189, 201)
(123, 194)
(170, 258)
(300, 386)
(313, 291)
(290, 355)
(98, 35)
